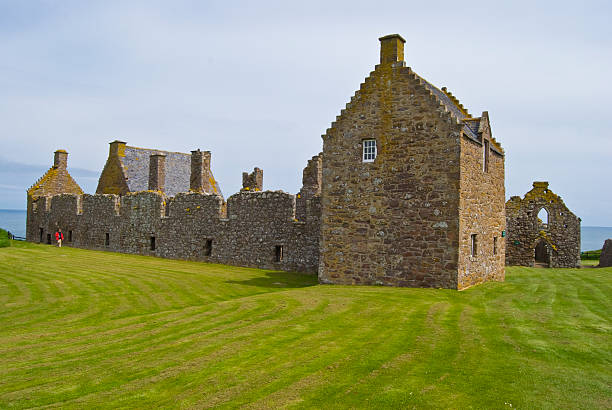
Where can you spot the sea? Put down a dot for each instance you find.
(592, 237)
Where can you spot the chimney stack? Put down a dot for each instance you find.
(157, 172)
(391, 49)
(117, 148)
(200, 172)
(252, 181)
(60, 159)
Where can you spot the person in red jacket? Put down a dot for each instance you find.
(59, 237)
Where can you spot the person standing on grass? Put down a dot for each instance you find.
(59, 237)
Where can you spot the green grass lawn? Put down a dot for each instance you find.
(82, 329)
(4, 240)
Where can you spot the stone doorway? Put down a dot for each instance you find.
(542, 256)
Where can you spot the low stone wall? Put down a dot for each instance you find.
(259, 229)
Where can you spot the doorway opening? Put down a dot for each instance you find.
(541, 255)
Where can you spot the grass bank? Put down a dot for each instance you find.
(4, 239)
(83, 329)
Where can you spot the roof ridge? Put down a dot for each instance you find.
(455, 100)
(158, 150)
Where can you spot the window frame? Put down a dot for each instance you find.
(473, 245)
(369, 150)
(485, 155)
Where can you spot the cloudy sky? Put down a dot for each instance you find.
(257, 83)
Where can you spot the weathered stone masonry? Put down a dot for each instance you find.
(554, 242)
(407, 217)
(426, 210)
(258, 229)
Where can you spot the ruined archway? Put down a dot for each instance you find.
(541, 216)
(541, 254)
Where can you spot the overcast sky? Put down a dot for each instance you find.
(257, 83)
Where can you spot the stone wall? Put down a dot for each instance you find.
(481, 210)
(559, 238)
(260, 229)
(393, 221)
(605, 259)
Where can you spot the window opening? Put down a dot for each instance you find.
(485, 158)
(543, 216)
(48, 239)
(208, 247)
(278, 250)
(152, 243)
(41, 235)
(495, 245)
(107, 239)
(473, 245)
(69, 236)
(369, 150)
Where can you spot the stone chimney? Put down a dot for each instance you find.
(60, 159)
(540, 184)
(117, 148)
(391, 49)
(157, 172)
(200, 172)
(252, 181)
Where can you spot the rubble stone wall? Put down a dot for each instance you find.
(260, 229)
(481, 213)
(560, 236)
(393, 221)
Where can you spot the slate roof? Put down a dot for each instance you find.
(452, 107)
(178, 170)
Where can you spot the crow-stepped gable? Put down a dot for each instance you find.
(408, 191)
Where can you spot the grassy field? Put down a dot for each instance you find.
(82, 329)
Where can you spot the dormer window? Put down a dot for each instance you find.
(369, 150)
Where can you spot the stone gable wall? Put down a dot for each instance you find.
(393, 221)
(561, 235)
(256, 224)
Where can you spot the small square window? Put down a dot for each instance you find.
(369, 150)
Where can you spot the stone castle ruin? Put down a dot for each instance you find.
(408, 191)
(542, 231)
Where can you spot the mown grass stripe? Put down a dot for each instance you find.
(111, 330)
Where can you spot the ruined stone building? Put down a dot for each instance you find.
(408, 191)
(542, 231)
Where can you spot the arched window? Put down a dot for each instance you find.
(543, 216)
